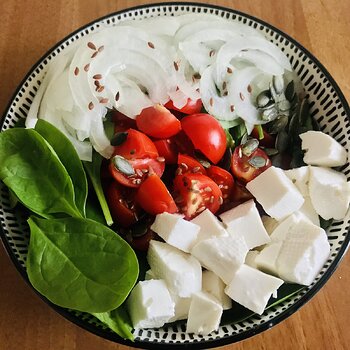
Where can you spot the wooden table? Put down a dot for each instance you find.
(29, 28)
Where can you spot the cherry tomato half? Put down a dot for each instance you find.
(136, 145)
(267, 141)
(121, 205)
(142, 167)
(191, 107)
(183, 143)
(223, 179)
(195, 193)
(206, 134)
(154, 197)
(243, 167)
(188, 164)
(158, 122)
(167, 149)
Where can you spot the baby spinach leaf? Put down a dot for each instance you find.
(80, 264)
(30, 169)
(69, 158)
(93, 169)
(118, 321)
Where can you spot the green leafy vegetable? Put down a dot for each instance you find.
(118, 321)
(30, 169)
(69, 158)
(80, 264)
(94, 171)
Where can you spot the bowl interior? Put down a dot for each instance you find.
(329, 108)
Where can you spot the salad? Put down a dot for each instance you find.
(186, 140)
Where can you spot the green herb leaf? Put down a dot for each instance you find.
(80, 264)
(118, 321)
(93, 169)
(30, 168)
(69, 158)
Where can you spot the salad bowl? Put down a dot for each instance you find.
(327, 105)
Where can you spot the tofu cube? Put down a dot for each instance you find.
(329, 193)
(212, 284)
(267, 258)
(322, 149)
(250, 258)
(223, 255)
(204, 315)
(209, 226)
(150, 304)
(246, 221)
(176, 231)
(309, 211)
(181, 271)
(303, 253)
(252, 288)
(282, 230)
(182, 307)
(276, 193)
(300, 178)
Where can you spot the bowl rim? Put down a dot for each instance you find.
(105, 334)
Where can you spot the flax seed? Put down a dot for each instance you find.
(94, 54)
(229, 70)
(97, 76)
(249, 88)
(101, 48)
(211, 101)
(117, 95)
(176, 66)
(91, 45)
(241, 96)
(151, 45)
(104, 100)
(232, 108)
(87, 67)
(91, 106)
(76, 71)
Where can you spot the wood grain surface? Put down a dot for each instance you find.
(29, 28)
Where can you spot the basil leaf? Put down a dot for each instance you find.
(30, 169)
(93, 169)
(80, 264)
(69, 158)
(118, 321)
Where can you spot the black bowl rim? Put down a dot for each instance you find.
(197, 344)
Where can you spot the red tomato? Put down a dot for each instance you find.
(196, 192)
(242, 167)
(268, 140)
(158, 122)
(191, 107)
(154, 197)
(183, 143)
(122, 211)
(142, 167)
(188, 164)
(167, 149)
(122, 122)
(223, 179)
(206, 134)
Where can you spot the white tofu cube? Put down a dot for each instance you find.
(181, 271)
(303, 253)
(321, 149)
(182, 307)
(176, 231)
(276, 193)
(246, 221)
(309, 211)
(282, 230)
(329, 193)
(209, 225)
(269, 223)
(204, 315)
(252, 288)
(212, 284)
(223, 255)
(150, 304)
(300, 178)
(267, 258)
(250, 258)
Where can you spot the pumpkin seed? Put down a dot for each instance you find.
(304, 112)
(257, 162)
(284, 105)
(290, 91)
(122, 165)
(119, 138)
(250, 147)
(263, 99)
(244, 138)
(271, 151)
(269, 114)
(279, 124)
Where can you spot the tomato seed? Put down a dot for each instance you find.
(161, 159)
(196, 169)
(208, 189)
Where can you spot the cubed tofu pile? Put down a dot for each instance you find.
(205, 263)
